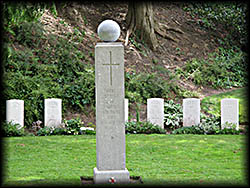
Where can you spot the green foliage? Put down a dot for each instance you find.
(69, 127)
(30, 34)
(12, 129)
(208, 125)
(73, 125)
(15, 13)
(46, 67)
(140, 87)
(46, 131)
(223, 69)
(233, 15)
(137, 127)
(38, 65)
(212, 104)
(173, 115)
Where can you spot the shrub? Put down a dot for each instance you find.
(142, 86)
(137, 127)
(45, 131)
(230, 128)
(16, 13)
(73, 126)
(12, 129)
(208, 125)
(173, 115)
(39, 67)
(68, 127)
(225, 68)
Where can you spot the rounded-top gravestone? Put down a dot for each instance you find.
(109, 31)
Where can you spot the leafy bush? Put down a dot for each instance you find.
(136, 127)
(140, 87)
(69, 127)
(173, 115)
(41, 67)
(12, 129)
(73, 126)
(46, 131)
(223, 69)
(16, 13)
(208, 125)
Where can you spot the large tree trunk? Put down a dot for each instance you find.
(140, 19)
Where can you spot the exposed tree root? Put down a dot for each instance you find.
(171, 28)
(164, 34)
(160, 29)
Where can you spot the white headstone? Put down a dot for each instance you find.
(52, 112)
(155, 111)
(230, 112)
(108, 31)
(110, 115)
(191, 112)
(15, 111)
(126, 110)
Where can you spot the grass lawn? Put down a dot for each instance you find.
(211, 104)
(166, 159)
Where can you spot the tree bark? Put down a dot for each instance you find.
(140, 19)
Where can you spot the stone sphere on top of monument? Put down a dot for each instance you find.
(108, 31)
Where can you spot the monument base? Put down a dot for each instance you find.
(111, 176)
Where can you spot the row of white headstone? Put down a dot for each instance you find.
(191, 111)
(155, 111)
(52, 112)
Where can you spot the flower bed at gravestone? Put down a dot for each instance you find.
(173, 115)
(68, 127)
(137, 127)
(11, 129)
(210, 125)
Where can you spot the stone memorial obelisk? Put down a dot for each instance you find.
(110, 116)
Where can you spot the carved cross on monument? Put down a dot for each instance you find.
(110, 70)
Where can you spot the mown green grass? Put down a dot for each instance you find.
(211, 104)
(166, 159)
